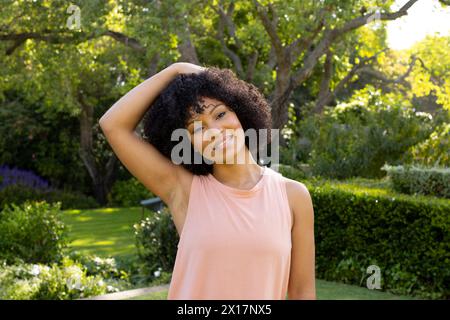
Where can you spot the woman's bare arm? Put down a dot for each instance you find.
(141, 158)
(128, 111)
(302, 282)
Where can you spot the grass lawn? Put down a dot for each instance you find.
(326, 290)
(103, 232)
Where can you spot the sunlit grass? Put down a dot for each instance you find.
(103, 232)
(325, 290)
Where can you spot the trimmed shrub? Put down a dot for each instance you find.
(18, 194)
(32, 232)
(405, 236)
(128, 193)
(411, 179)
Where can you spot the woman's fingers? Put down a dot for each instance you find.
(186, 67)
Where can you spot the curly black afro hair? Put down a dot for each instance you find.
(175, 105)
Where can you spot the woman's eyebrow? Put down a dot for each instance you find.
(214, 107)
(210, 111)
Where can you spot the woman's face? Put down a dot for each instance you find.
(217, 132)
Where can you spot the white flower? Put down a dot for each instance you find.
(157, 273)
(35, 270)
(97, 260)
(111, 289)
(74, 282)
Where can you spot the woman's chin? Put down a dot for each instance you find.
(230, 157)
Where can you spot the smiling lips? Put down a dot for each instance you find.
(224, 141)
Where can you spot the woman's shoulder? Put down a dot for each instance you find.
(295, 188)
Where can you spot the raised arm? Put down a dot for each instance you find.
(142, 159)
(128, 111)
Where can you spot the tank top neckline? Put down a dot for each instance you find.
(240, 192)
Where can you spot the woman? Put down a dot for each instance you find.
(246, 232)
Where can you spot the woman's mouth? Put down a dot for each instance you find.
(223, 143)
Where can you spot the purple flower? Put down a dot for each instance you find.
(11, 176)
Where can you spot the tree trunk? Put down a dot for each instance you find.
(280, 98)
(187, 48)
(102, 179)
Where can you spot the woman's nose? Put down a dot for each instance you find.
(213, 133)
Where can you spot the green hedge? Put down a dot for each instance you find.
(18, 194)
(412, 179)
(406, 236)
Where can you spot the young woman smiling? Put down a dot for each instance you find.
(246, 232)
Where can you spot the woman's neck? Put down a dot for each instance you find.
(238, 175)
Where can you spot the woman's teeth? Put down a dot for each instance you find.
(223, 143)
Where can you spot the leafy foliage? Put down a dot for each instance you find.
(65, 281)
(128, 193)
(18, 194)
(358, 137)
(157, 241)
(32, 232)
(434, 151)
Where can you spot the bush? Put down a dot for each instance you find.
(357, 138)
(406, 236)
(411, 179)
(18, 194)
(157, 241)
(55, 282)
(107, 268)
(128, 193)
(292, 172)
(32, 232)
(434, 151)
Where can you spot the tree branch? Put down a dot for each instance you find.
(380, 76)
(332, 34)
(57, 37)
(360, 21)
(228, 21)
(324, 91)
(126, 40)
(228, 52)
(252, 66)
(301, 44)
(362, 67)
(270, 27)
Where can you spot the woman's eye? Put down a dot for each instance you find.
(221, 114)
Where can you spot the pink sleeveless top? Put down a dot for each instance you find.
(235, 244)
